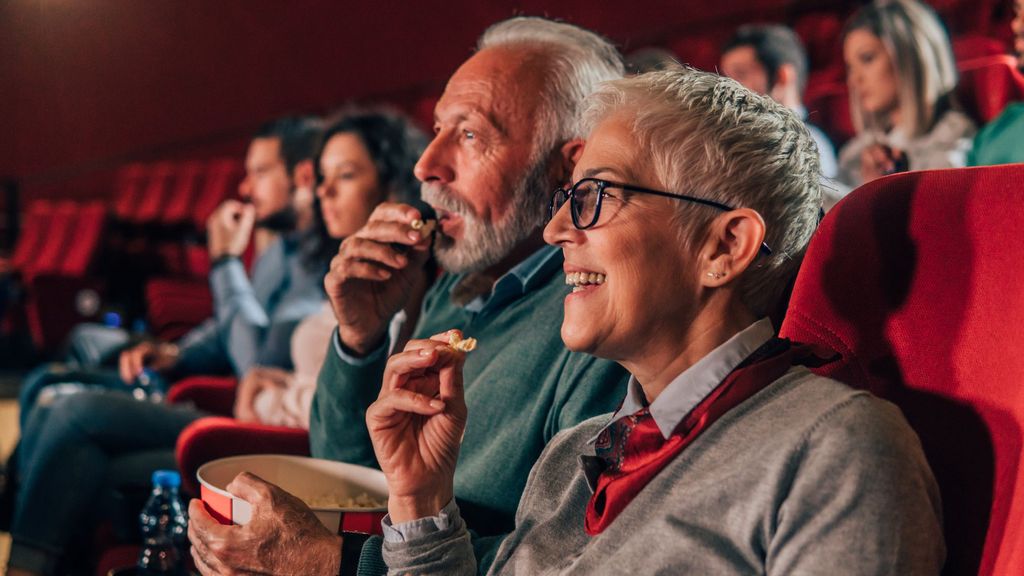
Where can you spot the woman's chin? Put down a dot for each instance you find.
(576, 339)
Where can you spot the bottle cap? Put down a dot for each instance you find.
(166, 478)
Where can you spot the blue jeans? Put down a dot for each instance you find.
(68, 452)
(63, 380)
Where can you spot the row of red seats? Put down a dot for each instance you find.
(52, 261)
(174, 193)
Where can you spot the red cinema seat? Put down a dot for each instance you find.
(174, 306)
(188, 185)
(222, 179)
(973, 46)
(700, 51)
(987, 85)
(821, 33)
(828, 106)
(57, 240)
(129, 189)
(156, 195)
(916, 280)
(34, 232)
(218, 437)
(88, 237)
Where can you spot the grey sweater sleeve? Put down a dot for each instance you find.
(859, 477)
(448, 551)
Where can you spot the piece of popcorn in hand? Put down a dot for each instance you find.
(462, 344)
(426, 227)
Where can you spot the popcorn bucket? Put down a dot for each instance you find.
(344, 497)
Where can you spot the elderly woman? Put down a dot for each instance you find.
(901, 74)
(693, 202)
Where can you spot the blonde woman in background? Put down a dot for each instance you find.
(902, 75)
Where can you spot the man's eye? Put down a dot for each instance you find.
(469, 134)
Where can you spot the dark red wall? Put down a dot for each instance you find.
(87, 84)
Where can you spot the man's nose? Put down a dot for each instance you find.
(436, 162)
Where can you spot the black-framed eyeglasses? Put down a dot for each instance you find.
(585, 198)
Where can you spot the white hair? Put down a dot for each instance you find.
(708, 136)
(579, 61)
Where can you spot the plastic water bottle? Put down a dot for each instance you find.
(164, 528)
(147, 387)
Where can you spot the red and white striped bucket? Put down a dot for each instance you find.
(309, 479)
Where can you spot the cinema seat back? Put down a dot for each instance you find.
(916, 279)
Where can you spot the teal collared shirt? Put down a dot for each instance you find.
(522, 278)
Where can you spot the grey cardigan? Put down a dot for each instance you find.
(806, 477)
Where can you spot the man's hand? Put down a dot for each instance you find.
(283, 537)
(229, 228)
(375, 272)
(416, 426)
(254, 382)
(878, 160)
(154, 355)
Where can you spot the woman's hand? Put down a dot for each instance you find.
(157, 356)
(254, 382)
(879, 160)
(416, 426)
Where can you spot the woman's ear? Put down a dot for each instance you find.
(733, 243)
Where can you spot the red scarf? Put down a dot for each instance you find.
(634, 450)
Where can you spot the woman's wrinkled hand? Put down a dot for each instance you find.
(416, 426)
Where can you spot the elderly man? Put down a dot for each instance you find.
(1000, 141)
(507, 132)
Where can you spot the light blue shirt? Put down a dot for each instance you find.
(254, 317)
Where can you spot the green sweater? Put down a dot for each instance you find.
(1002, 140)
(522, 388)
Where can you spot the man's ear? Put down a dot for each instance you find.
(568, 156)
(733, 243)
(302, 175)
(785, 75)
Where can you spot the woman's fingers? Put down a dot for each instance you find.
(399, 402)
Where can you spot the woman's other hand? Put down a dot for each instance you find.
(254, 382)
(879, 160)
(416, 426)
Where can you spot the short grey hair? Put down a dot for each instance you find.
(579, 61)
(710, 137)
(922, 59)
